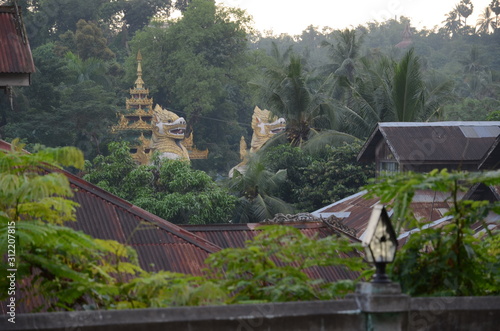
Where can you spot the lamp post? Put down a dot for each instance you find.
(381, 300)
(380, 243)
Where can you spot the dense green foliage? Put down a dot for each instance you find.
(447, 260)
(272, 267)
(211, 67)
(66, 267)
(256, 190)
(333, 177)
(318, 179)
(170, 189)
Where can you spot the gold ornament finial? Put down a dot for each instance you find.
(139, 83)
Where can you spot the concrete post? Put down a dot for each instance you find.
(385, 307)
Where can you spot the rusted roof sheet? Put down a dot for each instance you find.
(427, 206)
(235, 236)
(160, 244)
(437, 141)
(15, 51)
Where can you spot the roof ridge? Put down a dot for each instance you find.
(142, 213)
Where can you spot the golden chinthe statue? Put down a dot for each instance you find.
(168, 134)
(265, 126)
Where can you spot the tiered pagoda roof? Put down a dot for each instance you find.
(137, 122)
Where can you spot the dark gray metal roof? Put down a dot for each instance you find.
(433, 142)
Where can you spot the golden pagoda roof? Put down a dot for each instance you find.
(135, 90)
(142, 101)
(140, 112)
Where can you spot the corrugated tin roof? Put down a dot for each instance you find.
(235, 236)
(427, 206)
(15, 51)
(437, 141)
(158, 242)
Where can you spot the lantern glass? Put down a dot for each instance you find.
(380, 239)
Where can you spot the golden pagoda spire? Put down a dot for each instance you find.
(139, 83)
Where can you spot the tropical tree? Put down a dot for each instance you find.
(388, 91)
(453, 24)
(495, 7)
(408, 89)
(68, 268)
(345, 52)
(90, 69)
(450, 260)
(167, 188)
(465, 9)
(256, 190)
(486, 24)
(305, 101)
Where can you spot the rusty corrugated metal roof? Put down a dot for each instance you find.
(159, 243)
(436, 141)
(15, 51)
(235, 236)
(427, 206)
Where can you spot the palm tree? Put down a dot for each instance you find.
(255, 189)
(473, 64)
(407, 88)
(305, 101)
(345, 52)
(452, 23)
(371, 96)
(395, 91)
(495, 7)
(465, 9)
(486, 23)
(93, 69)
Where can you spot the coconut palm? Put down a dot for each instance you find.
(408, 88)
(453, 23)
(486, 23)
(395, 91)
(304, 100)
(255, 190)
(345, 52)
(93, 69)
(371, 96)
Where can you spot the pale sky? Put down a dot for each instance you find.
(293, 16)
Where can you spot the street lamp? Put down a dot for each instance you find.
(380, 243)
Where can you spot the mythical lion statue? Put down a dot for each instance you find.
(168, 133)
(264, 126)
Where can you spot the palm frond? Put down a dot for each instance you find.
(407, 90)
